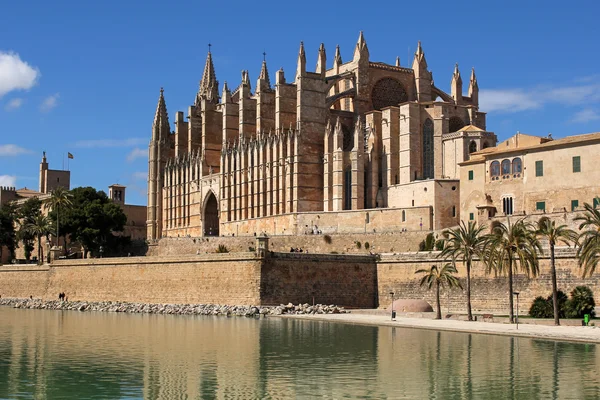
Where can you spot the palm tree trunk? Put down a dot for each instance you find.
(511, 314)
(40, 254)
(437, 297)
(469, 313)
(57, 232)
(554, 285)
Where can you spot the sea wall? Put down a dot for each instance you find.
(349, 281)
(489, 294)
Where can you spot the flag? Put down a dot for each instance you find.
(69, 155)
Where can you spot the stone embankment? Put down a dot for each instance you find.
(175, 309)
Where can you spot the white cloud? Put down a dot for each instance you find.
(8, 180)
(587, 91)
(49, 103)
(14, 104)
(16, 74)
(586, 115)
(137, 153)
(7, 150)
(140, 176)
(111, 142)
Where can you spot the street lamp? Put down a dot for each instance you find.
(517, 294)
(393, 312)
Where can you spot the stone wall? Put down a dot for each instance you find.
(342, 244)
(489, 294)
(349, 281)
(218, 278)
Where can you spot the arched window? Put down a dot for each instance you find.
(517, 165)
(494, 169)
(472, 147)
(485, 145)
(505, 167)
(428, 149)
(388, 92)
(403, 216)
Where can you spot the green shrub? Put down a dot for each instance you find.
(581, 302)
(541, 308)
(327, 239)
(367, 245)
(222, 249)
(358, 244)
(252, 248)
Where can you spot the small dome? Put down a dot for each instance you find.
(410, 305)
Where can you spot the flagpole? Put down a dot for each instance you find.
(63, 161)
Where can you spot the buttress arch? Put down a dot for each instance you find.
(210, 215)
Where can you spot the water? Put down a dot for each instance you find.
(71, 355)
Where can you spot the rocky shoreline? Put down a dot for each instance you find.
(174, 309)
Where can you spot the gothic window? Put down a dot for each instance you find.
(472, 147)
(455, 124)
(403, 216)
(517, 166)
(388, 92)
(507, 205)
(348, 189)
(494, 169)
(348, 138)
(428, 149)
(505, 167)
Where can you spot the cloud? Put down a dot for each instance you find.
(140, 176)
(14, 104)
(8, 150)
(8, 180)
(586, 115)
(131, 142)
(49, 103)
(585, 91)
(137, 153)
(16, 74)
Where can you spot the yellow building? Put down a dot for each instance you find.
(530, 175)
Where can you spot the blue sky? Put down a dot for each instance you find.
(84, 77)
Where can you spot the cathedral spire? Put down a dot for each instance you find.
(361, 51)
(160, 126)
(209, 86)
(301, 68)
(337, 58)
(456, 85)
(420, 58)
(474, 89)
(321, 61)
(398, 61)
(263, 79)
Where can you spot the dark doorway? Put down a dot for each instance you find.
(211, 216)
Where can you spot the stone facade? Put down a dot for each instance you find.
(361, 135)
(531, 176)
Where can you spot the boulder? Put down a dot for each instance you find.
(411, 305)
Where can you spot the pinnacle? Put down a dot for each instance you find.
(264, 74)
(161, 118)
(209, 86)
(473, 77)
(398, 61)
(338, 57)
(301, 51)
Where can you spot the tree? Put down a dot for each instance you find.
(464, 243)
(440, 277)
(26, 214)
(589, 240)
(548, 230)
(510, 248)
(59, 198)
(8, 236)
(40, 226)
(92, 219)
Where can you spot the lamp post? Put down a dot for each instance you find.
(393, 312)
(517, 294)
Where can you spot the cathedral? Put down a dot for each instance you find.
(362, 146)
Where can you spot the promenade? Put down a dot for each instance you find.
(586, 334)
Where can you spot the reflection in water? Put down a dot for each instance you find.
(68, 355)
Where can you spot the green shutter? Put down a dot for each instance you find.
(540, 206)
(596, 202)
(471, 216)
(539, 168)
(576, 164)
(471, 175)
(574, 204)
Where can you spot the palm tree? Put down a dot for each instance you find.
(548, 230)
(589, 240)
(464, 243)
(510, 246)
(40, 226)
(439, 277)
(59, 198)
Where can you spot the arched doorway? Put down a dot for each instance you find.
(210, 217)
